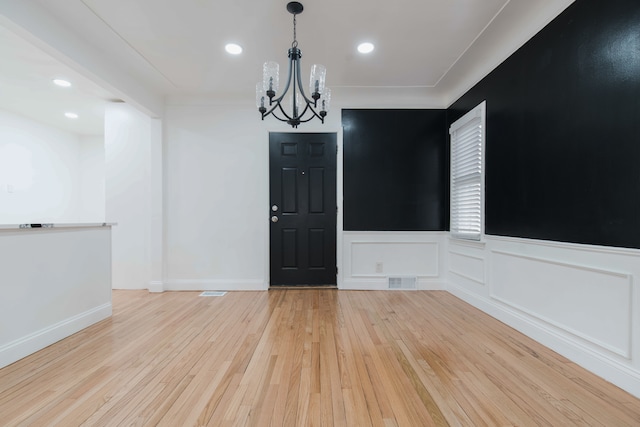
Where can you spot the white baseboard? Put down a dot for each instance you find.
(215, 285)
(156, 286)
(22, 347)
(431, 286)
(600, 363)
(381, 284)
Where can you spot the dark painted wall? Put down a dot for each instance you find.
(563, 130)
(395, 169)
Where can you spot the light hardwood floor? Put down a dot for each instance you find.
(304, 357)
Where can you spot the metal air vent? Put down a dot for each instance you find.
(401, 282)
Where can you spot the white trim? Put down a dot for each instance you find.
(599, 363)
(567, 245)
(340, 205)
(156, 286)
(477, 244)
(564, 264)
(397, 234)
(215, 285)
(267, 203)
(24, 346)
(382, 284)
(464, 275)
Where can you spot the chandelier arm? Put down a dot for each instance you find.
(311, 118)
(306, 107)
(299, 78)
(281, 119)
(291, 69)
(270, 111)
(283, 112)
(294, 95)
(313, 114)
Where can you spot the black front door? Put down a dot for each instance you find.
(302, 187)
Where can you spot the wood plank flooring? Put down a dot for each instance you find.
(312, 357)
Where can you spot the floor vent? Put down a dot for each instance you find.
(212, 294)
(405, 283)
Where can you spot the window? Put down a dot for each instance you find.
(467, 174)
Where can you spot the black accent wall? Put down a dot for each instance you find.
(563, 130)
(563, 140)
(395, 169)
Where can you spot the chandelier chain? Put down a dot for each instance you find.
(295, 41)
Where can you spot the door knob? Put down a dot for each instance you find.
(274, 219)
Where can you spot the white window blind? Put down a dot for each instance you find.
(467, 175)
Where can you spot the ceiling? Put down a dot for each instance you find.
(176, 48)
(26, 88)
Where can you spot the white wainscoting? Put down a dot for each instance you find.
(466, 265)
(590, 303)
(369, 258)
(578, 300)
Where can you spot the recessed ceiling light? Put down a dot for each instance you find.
(365, 47)
(70, 115)
(61, 82)
(234, 49)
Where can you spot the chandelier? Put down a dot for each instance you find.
(303, 108)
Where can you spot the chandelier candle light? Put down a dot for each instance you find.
(316, 106)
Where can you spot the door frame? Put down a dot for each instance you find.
(339, 204)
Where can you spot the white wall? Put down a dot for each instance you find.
(130, 139)
(579, 300)
(216, 195)
(92, 197)
(48, 175)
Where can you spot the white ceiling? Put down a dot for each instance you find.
(26, 88)
(176, 47)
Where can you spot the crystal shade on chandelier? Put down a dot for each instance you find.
(302, 108)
